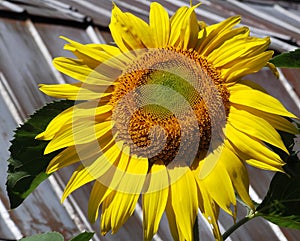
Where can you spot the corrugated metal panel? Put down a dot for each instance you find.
(99, 11)
(7, 125)
(49, 9)
(23, 64)
(26, 50)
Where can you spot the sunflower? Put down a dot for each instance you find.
(167, 116)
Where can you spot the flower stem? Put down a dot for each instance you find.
(237, 225)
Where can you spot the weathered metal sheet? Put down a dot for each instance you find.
(99, 11)
(23, 64)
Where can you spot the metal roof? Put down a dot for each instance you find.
(29, 31)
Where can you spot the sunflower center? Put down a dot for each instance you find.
(167, 103)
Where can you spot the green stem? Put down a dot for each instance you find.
(237, 225)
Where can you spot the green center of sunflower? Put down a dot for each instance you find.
(163, 100)
(159, 78)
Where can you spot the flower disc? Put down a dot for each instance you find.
(159, 80)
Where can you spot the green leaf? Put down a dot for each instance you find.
(287, 60)
(51, 236)
(27, 163)
(54, 236)
(282, 202)
(86, 236)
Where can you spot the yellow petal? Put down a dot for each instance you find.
(278, 122)
(190, 29)
(78, 133)
(215, 30)
(114, 173)
(210, 162)
(154, 199)
(87, 60)
(55, 124)
(97, 196)
(79, 178)
(159, 25)
(105, 221)
(109, 157)
(242, 49)
(260, 101)
(65, 158)
(109, 49)
(111, 179)
(245, 85)
(122, 205)
(184, 28)
(255, 126)
(274, 70)
(91, 171)
(77, 91)
(73, 114)
(128, 31)
(211, 211)
(238, 174)
(108, 184)
(182, 202)
(266, 166)
(229, 35)
(85, 153)
(90, 61)
(218, 182)
(133, 177)
(116, 212)
(92, 56)
(253, 151)
(78, 70)
(242, 67)
(176, 23)
(172, 222)
(207, 205)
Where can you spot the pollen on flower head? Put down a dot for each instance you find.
(160, 80)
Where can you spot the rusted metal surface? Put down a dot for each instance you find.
(29, 31)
